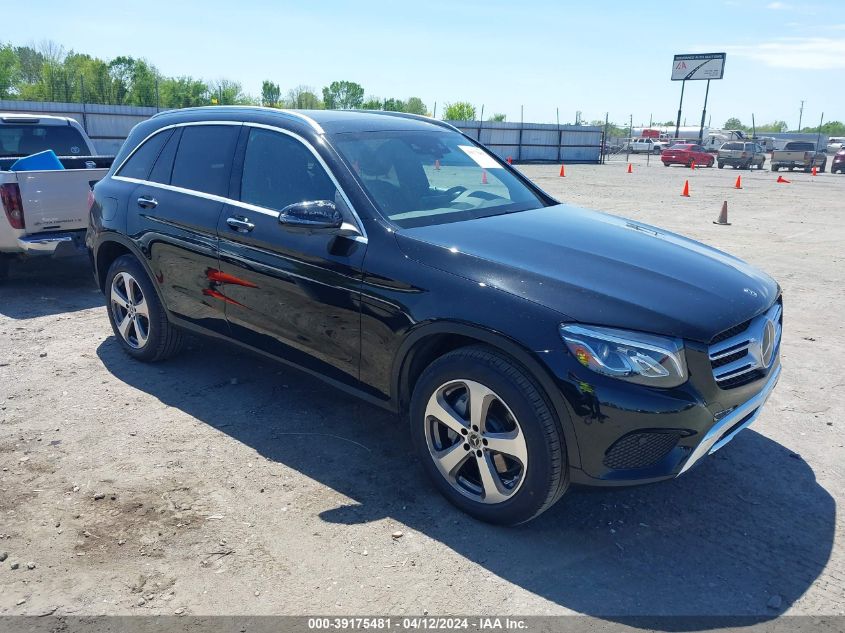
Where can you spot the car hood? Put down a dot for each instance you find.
(596, 268)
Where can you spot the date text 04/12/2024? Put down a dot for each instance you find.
(425, 623)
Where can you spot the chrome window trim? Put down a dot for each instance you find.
(359, 225)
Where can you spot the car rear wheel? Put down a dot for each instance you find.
(136, 314)
(487, 437)
(665, 164)
(721, 165)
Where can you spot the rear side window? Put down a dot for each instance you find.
(279, 170)
(26, 138)
(204, 158)
(141, 162)
(731, 146)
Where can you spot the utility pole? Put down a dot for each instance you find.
(800, 115)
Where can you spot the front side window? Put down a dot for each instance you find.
(279, 170)
(417, 178)
(204, 159)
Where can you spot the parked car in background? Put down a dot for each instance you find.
(838, 164)
(687, 155)
(741, 155)
(528, 344)
(799, 155)
(835, 143)
(648, 145)
(44, 209)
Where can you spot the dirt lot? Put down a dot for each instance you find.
(221, 483)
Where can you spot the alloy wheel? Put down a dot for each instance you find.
(129, 310)
(476, 441)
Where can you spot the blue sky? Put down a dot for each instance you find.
(596, 57)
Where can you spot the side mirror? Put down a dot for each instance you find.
(312, 215)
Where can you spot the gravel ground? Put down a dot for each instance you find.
(221, 483)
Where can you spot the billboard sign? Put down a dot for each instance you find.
(700, 66)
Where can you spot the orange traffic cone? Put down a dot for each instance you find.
(723, 215)
(630, 168)
(562, 171)
(783, 180)
(738, 184)
(815, 171)
(510, 160)
(685, 192)
(692, 165)
(483, 177)
(437, 164)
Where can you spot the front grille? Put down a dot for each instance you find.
(737, 355)
(641, 449)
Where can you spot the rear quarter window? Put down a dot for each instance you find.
(204, 159)
(141, 162)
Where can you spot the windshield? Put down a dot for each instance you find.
(422, 178)
(26, 139)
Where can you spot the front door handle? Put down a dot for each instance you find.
(240, 224)
(147, 202)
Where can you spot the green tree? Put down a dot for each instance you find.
(459, 111)
(498, 117)
(733, 124)
(270, 94)
(9, 71)
(303, 98)
(182, 92)
(373, 103)
(415, 105)
(775, 126)
(228, 92)
(30, 62)
(394, 105)
(343, 95)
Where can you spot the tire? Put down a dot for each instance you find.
(822, 168)
(721, 165)
(775, 168)
(515, 491)
(665, 164)
(139, 324)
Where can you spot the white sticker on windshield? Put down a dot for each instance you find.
(482, 158)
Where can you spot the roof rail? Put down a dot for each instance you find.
(417, 117)
(289, 113)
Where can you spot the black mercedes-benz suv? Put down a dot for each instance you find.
(530, 344)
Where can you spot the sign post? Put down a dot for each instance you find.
(701, 66)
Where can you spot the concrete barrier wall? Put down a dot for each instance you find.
(109, 125)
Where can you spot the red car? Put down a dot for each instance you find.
(687, 154)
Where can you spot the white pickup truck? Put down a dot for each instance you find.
(45, 212)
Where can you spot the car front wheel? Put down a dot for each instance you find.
(487, 437)
(136, 314)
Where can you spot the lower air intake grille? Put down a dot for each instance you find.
(641, 449)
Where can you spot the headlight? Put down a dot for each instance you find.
(645, 359)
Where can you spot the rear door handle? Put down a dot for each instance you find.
(147, 202)
(240, 224)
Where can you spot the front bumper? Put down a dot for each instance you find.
(630, 434)
(728, 426)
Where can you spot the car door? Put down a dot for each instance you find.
(293, 294)
(177, 211)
